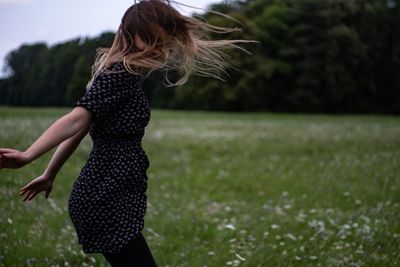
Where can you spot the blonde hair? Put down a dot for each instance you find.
(185, 45)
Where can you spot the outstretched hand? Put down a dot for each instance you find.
(36, 186)
(12, 158)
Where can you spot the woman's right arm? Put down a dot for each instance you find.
(45, 181)
(63, 152)
(65, 127)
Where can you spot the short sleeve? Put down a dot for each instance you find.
(107, 91)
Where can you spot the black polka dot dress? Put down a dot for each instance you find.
(108, 199)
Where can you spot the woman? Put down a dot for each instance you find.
(108, 200)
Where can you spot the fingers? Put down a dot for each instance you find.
(1, 160)
(9, 155)
(26, 186)
(30, 194)
(22, 192)
(25, 194)
(6, 150)
(34, 187)
(10, 160)
(26, 189)
(33, 195)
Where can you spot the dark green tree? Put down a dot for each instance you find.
(79, 79)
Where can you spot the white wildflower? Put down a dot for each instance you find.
(313, 211)
(291, 236)
(365, 218)
(301, 217)
(287, 206)
(251, 238)
(275, 226)
(230, 226)
(236, 262)
(279, 210)
(331, 221)
(366, 229)
(360, 251)
(240, 257)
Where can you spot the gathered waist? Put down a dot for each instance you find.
(112, 140)
(117, 152)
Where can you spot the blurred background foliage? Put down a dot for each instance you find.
(317, 56)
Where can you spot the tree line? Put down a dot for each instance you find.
(330, 56)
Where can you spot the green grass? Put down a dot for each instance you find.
(228, 189)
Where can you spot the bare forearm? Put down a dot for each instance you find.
(63, 152)
(64, 128)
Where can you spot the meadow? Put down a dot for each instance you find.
(227, 189)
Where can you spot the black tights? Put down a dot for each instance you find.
(134, 254)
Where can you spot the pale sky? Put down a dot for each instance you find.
(54, 21)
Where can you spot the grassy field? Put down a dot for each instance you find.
(228, 190)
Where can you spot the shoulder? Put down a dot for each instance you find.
(115, 76)
(115, 79)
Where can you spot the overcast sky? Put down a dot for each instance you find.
(53, 21)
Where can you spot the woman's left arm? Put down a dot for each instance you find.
(65, 127)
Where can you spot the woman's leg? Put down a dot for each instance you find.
(135, 254)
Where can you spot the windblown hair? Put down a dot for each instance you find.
(173, 42)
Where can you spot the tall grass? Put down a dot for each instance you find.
(228, 189)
